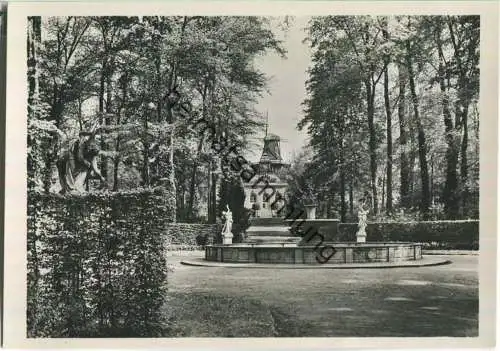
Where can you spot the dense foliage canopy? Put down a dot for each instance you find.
(392, 114)
(129, 76)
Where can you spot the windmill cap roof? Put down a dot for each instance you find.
(272, 137)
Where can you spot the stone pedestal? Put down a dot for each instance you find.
(227, 238)
(361, 237)
(310, 211)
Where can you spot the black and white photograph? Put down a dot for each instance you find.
(254, 176)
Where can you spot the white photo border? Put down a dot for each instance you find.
(14, 322)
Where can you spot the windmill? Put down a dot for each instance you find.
(272, 150)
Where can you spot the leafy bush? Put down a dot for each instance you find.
(97, 264)
(436, 234)
(401, 215)
(191, 234)
(201, 240)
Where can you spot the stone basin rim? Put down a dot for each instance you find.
(425, 262)
(335, 244)
(341, 253)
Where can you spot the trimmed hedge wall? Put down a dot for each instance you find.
(97, 264)
(191, 235)
(433, 234)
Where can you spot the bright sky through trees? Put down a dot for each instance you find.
(286, 87)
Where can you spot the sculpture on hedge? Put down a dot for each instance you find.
(77, 162)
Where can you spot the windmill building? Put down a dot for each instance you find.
(261, 195)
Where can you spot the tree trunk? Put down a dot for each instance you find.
(463, 164)
(342, 168)
(351, 198)
(102, 91)
(382, 202)
(172, 172)
(412, 157)
(327, 208)
(159, 102)
(145, 162)
(212, 199)
(192, 185)
(403, 138)
(109, 110)
(116, 165)
(370, 94)
(343, 206)
(466, 89)
(422, 147)
(388, 203)
(450, 193)
(196, 162)
(116, 160)
(172, 82)
(388, 112)
(209, 192)
(432, 180)
(216, 188)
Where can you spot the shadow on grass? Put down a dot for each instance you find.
(210, 315)
(287, 325)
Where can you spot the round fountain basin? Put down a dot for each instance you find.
(326, 253)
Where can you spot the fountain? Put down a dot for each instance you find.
(270, 241)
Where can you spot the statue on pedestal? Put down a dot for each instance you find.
(77, 162)
(362, 216)
(227, 235)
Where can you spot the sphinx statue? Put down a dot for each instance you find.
(77, 162)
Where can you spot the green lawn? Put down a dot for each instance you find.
(206, 315)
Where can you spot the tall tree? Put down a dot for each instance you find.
(362, 33)
(464, 35)
(403, 137)
(422, 146)
(456, 39)
(356, 42)
(388, 111)
(451, 194)
(61, 75)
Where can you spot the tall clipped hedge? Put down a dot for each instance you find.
(433, 234)
(192, 235)
(97, 264)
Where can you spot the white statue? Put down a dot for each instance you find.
(227, 235)
(362, 214)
